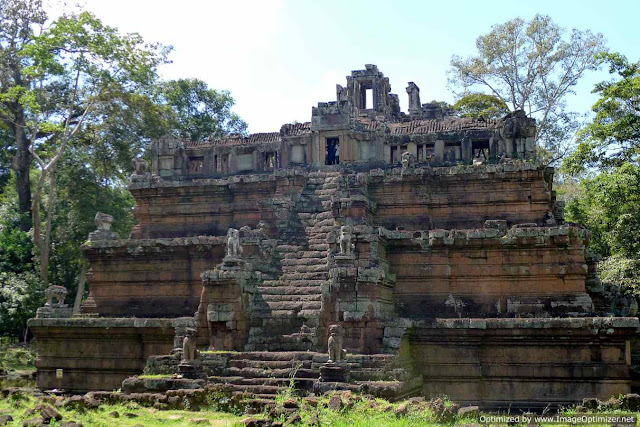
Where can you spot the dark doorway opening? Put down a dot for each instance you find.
(481, 151)
(332, 154)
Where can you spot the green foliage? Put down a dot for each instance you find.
(15, 247)
(20, 296)
(481, 105)
(608, 205)
(613, 137)
(622, 272)
(18, 357)
(532, 66)
(18, 405)
(200, 112)
(81, 193)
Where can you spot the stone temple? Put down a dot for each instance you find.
(430, 247)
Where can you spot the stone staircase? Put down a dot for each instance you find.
(266, 374)
(287, 311)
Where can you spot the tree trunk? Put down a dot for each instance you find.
(80, 293)
(45, 247)
(22, 165)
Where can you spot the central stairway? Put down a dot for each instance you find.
(286, 312)
(267, 374)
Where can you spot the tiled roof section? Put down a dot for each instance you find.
(254, 138)
(257, 138)
(446, 125)
(296, 129)
(371, 125)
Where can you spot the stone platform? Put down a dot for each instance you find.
(96, 353)
(523, 363)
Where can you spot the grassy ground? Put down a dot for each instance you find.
(356, 411)
(128, 415)
(17, 357)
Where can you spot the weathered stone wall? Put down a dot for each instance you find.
(207, 206)
(150, 278)
(461, 197)
(525, 363)
(96, 354)
(530, 272)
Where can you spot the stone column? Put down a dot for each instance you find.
(438, 151)
(412, 148)
(530, 147)
(467, 151)
(508, 145)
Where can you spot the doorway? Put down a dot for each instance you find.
(332, 152)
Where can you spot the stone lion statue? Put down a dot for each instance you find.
(57, 292)
(408, 160)
(335, 342)
(103, 221)
(233, 243)
(345, 240)
(189, 352)
(140, 166)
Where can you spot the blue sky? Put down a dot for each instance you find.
(279, 58)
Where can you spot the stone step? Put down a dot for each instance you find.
(285, 314)
(271, 298)
(291, 341)
(279, 355)
(288, 248)
(304, 283)
(271, 364)
(278, 346)
(258, 389)
(304, 261)
(304, 268)
(264, 381)
(306, 254)
(282, 290)
(324, 215)
(277, 305)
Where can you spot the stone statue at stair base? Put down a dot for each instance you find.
(190, 367)
(335, 343)
(335, 370)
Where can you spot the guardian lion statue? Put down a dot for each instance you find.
(336, 338)
(189, 352)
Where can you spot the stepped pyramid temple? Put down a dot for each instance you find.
(431, 248)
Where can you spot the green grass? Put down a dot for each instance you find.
(359, 411)
(101, 417)
(18, 357)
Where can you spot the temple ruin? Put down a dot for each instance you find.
(431, 248)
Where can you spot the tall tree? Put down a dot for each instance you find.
(74, 66)
(531, 66)
(613, 137)
(479, 104)
(19, 19)
(607, 163)
(200, 112)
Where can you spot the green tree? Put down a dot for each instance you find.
(20, 296)
(19, 20)
(83, 64)
(607, 203)
(200, 112)
(613, 137)
(481, 105)
(531, 66)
